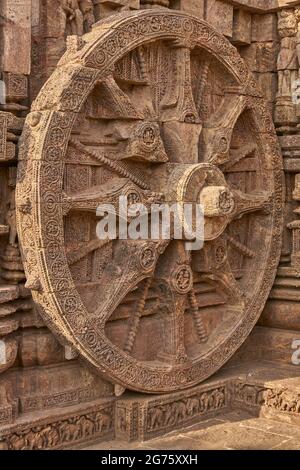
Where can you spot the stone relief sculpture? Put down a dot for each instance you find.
(287, 58)
(73, 17)
(87, 9)
(160, 107)
(287, 67)
(155, 117)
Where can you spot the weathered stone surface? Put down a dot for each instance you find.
(193, 7)
(261, 57)
(15, 29)
(264, 27)
(282, 314)
(268, 84)
(242, 27)
(220, 15)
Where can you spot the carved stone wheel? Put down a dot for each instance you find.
(158, 106)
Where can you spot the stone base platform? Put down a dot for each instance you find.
(267, 390)
(235, 430)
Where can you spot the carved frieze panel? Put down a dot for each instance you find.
(96, 422)
(149, 418)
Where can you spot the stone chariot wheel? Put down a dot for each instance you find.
(155, 106)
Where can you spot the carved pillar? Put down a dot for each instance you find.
(295, 258)
(287, 66)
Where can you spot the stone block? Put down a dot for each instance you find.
(39, 348)
(220, 15)
(193, 7)
(268, 84)
(264, 27)
(242, 24)
(15, 30)
(144, 418)
(261, 56)
(105, 8)
(16, 86)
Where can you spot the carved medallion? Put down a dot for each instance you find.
(156, 106)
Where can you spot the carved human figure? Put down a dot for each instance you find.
(73, 17)
(87, 10)
(11, 220)
(287, 58)
(122, 419)
(272, 399)
(288, 403)
(52, 437)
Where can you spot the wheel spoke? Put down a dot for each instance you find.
(175, 280)
(118, 168)
(214, 268)
(114, 103)
(217, 132)
(80, 252)
(181, 123)
(198, 319)
(247, 203)
(109, 193)
(133, 261)
(136, 318)
(237, 155)
(178, 103)
(243, 249)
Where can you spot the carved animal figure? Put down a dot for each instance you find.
(156, 418)
(17, 442)
(180, 411)
(192, 406)
(86, 427)
(69, 432)
(204, 400)
(219, 398)
(103, 422)
(169, 415)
